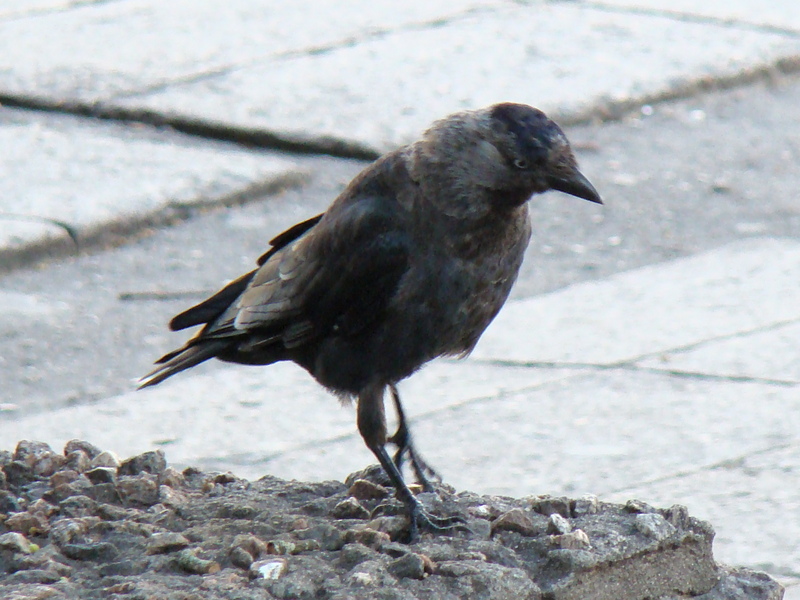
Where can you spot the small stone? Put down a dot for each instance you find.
(654, 525)
(585, 505)
(18, 473)
(368, 537)
(39, 457)
(280, 547)
(104, 493)
(162, 543)
(172, 478)
(91, 551)
(354, 554)
(224, 478)
(410, 566)
(241, 557)
(456, 568)
(89, 449)
(141, 489)
(349, 508)
(637, 506)
(101, 475)
(514, 520)
(170, 497)
(372, 473)
(330, 537)
(79, 487)
(361, 489)
(64, 531)
(153, 462)
(574, 540)
(272, 568)
(556, 524)
(250, 543)
(42, 507)
(110, 512)
(78, 460)
(16, 542)
(77, 506)
(48, 464)
(234, 510)
(105, 459)
(27, 451)
(188, 561)
(9, 502)
(430, 565)
(481, 511)
(27, 523)
(677, 515)
(125, 587)
(393, 526)
(547, 505)
(63, 477)
(31, 576)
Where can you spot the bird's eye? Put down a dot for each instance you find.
(521, 163)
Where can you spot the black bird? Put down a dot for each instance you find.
(412, 261)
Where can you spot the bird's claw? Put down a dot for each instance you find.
(421, 521)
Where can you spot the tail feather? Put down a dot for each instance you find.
(182, 359)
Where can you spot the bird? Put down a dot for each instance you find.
(412, 261)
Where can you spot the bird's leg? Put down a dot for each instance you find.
(402, 439)
(372, 426)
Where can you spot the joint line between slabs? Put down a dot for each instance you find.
(369, 35)
(630, 365)
(674, 15)
(722, 464)
(411, 419)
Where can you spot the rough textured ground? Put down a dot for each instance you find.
(82, 524)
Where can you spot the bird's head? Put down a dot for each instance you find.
(507, 152)
(536, 152)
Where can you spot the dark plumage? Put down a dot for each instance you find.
(412, 261)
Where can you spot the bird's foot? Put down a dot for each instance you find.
(421, 521)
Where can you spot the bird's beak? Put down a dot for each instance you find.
(575, 184)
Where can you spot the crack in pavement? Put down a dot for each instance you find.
(631, 366)
(250, 459)
(728, 463)
(676, 15)
(369, 35)
(49, 10)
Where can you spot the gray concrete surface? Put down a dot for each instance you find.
(651, 348)
(97, 175)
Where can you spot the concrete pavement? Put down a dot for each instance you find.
(674, 383)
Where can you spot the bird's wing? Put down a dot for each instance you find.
(336, 276)
(213, 307)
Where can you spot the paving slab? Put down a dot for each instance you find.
(97, 50)
(249, 415)
(771, 354)
(563, 58)
(96, 175)
(653, 310)
(585, 434)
